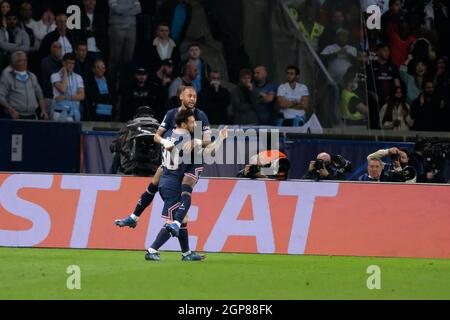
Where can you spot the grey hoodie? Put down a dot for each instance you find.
(22, 96)
(122, 13)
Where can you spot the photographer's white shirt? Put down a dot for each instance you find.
(292, 95)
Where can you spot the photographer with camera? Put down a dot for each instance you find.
(398, 169)
(319, 169)
(269, 164)
(327, 167)
(429, 161)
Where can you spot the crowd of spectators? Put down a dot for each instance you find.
(110, 68)
(128, 54)
(399, 72)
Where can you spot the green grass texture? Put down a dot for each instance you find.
(33, 273)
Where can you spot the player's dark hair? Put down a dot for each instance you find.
(184, 88)
(183, 116)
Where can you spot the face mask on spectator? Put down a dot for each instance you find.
(22, 76)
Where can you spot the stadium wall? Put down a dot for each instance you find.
(229, 215)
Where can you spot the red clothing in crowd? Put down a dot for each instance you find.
(399, 48)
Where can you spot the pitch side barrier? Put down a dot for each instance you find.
(231, 215)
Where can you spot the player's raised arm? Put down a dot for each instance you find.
(211, 147)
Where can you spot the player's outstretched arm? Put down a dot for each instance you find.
(223, 134)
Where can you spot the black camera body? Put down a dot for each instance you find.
(319, 164)
(407, 173)
(340, 165)
(253, 170)
(436, 155)
(337, 168)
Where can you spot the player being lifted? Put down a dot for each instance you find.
(188, 99)
(178, 163)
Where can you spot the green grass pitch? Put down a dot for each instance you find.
(29, 273)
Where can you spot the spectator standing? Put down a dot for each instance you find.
(44, 26)
(353, 110)
(329, 34)
(400, 41)
(396, 114)
(159, 84)
(20, 93)
(162, 48)
(122, 37)
(244, 100)
(94, 26)
(136, 95)
(425, 109)
(194, 56)
(5, 7)
(50, 65)
(441, 75)
(99, 100)
(266, 93)
(188, 75)
(12, 38)
(178, 14)
(391, 18)
(308, 22)
(214, 100)
(339, 56)
(414, 82)
(84, 64)
(68, 91)
(293, 99)
(62, 34)
(383, 78)
(29, 25)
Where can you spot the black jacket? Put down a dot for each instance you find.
(72, 35)
(100, 29)
(94, 97)
(166, 12)
(215, 104)
(151, 60)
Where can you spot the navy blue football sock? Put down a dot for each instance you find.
(186, 194)
(145, 200)
(183, 238)
(162, 237)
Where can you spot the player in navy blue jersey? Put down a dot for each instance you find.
(178, 164)
(188, 99)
